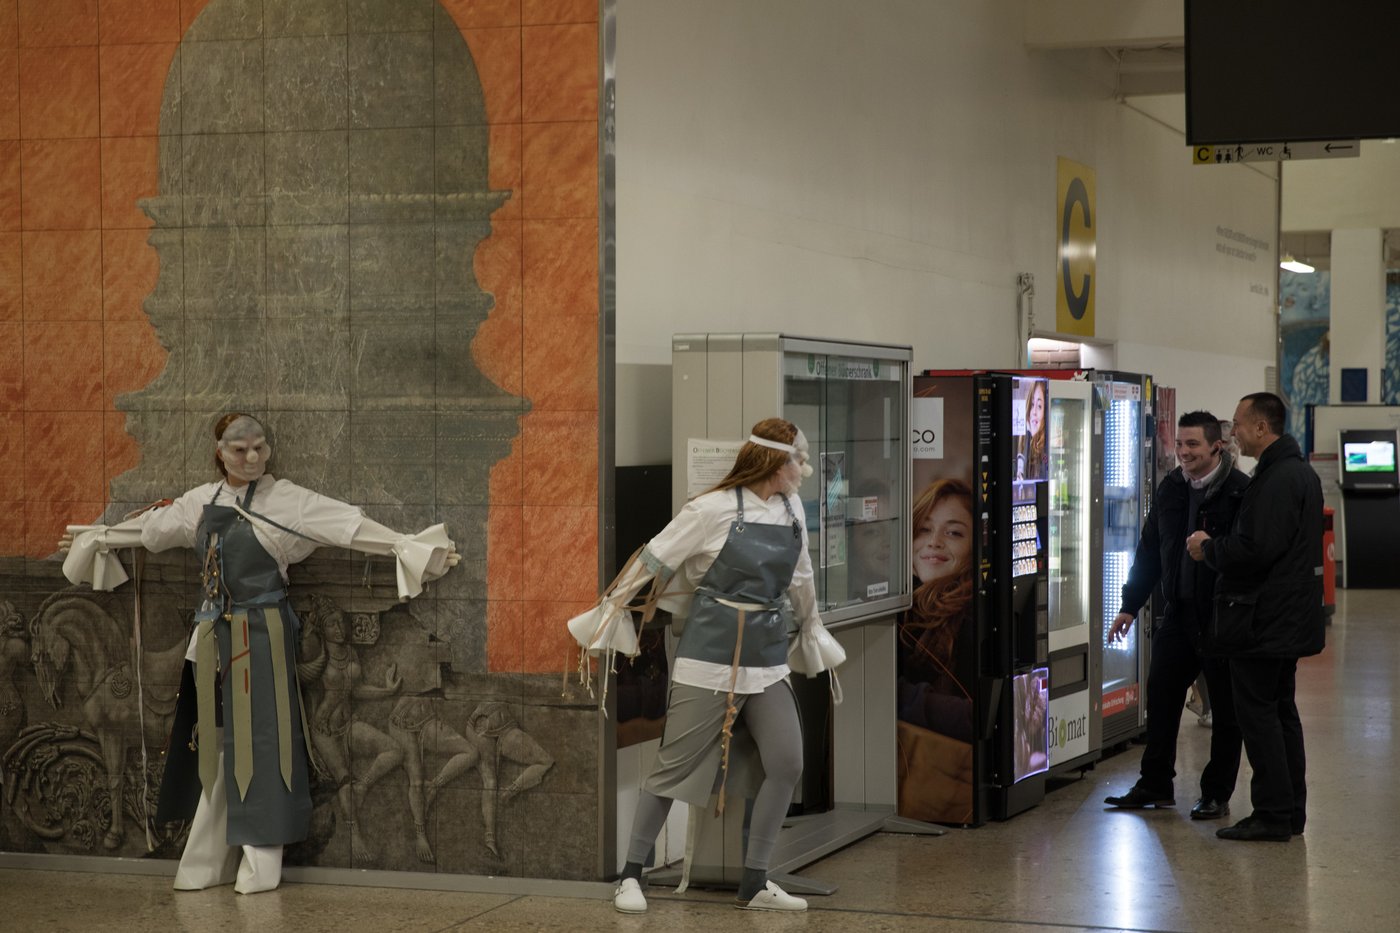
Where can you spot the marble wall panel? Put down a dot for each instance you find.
(221, 86)
(391, 175)
(308, 273)
(307, 18)
(369, 16)
(391, 79)
(305, 83)
(227, 19)
(224, 276)
(307, 177)
(391, 260)
(222, 179)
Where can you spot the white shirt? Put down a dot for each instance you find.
(690, 544)
(323, 520)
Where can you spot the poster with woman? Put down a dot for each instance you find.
(937, 635)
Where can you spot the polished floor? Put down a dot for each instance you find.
(1067, 865)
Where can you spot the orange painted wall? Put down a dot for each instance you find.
(80, 93)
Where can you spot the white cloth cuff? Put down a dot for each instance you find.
(418, 558)
(91, 559)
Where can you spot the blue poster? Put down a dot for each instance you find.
(1305, 315)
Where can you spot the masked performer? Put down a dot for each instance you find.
(742, 549)
(240, 725)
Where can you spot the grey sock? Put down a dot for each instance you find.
(753, 881)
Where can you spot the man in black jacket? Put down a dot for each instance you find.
(1203, 492)
(1269, 612)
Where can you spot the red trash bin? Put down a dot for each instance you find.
(1329, 563)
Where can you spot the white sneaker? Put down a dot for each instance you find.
(772, 897)
(628, 897)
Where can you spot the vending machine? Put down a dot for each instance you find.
(1076, 653)
(1123, 415)
(973, 649)
(1075, 727)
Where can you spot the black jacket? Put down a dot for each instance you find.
(1269, 592)
(1163, 542)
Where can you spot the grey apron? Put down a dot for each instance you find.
(248, 633)
(755, 567)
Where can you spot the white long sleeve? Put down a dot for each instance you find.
(309, 520)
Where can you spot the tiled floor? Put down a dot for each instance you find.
(1067, 865)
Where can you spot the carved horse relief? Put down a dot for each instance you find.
(81, 651)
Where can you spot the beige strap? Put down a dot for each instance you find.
(206, 665)
(241, 688)
(731, 714)
(276, 637)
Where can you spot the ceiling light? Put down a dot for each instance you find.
(1293, 265)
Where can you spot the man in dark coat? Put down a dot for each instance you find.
(1203, 492)
(1269, 612)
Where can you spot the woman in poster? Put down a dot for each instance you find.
(937, 661)
(237, 761)
(1031, 460)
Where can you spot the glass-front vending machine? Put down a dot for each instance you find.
(1076, 657)
(1123, 411)
(851, 400)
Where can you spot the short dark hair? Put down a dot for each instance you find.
(1269, 407)
(1208, 423)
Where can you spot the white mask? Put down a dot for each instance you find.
(244, 450)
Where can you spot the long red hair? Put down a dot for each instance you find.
(755, 463)
(940, 606)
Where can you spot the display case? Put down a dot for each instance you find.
(851, 401)
(853, 410)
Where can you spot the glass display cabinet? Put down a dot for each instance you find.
(851, 400)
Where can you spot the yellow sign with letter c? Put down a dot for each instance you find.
(1075, 275)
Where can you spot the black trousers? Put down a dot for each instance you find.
(1174, 666)
(1273, 737)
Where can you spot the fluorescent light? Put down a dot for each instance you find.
(1293, 265)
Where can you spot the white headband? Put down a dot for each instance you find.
(774, 445)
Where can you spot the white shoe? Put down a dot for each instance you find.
(772, 897)
(628, 897)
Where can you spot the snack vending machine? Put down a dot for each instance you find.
(973, 649)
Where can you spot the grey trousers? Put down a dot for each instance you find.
(687, 764)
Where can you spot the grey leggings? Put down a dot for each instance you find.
(771, 718)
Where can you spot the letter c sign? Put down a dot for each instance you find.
(1075, 274)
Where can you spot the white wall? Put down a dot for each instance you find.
(883, 170)
(1324, 194)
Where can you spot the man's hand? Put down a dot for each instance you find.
(1121, 623)
(1193, 544)
(65, 543)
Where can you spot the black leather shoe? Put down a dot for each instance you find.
(1250, 829)
(1208, 808)
(1137, 798)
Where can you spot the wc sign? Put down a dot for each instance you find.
(1077, 218)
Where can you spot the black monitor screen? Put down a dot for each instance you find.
(1367, 457)
(1290, 71)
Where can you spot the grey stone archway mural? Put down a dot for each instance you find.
(323, 190)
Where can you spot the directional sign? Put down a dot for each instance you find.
(1275, 152)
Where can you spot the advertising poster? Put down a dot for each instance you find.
(1030, 410)
(937, 635)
